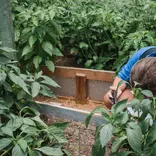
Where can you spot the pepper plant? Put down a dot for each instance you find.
(129, 127)
(22, 132)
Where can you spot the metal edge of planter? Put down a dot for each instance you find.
(55, 109)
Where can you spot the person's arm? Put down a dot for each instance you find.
(108, 96)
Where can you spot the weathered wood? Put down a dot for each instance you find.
(70, 72)
(81, 91)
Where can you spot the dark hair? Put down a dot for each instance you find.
(144, 72)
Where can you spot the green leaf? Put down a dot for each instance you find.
(60, 125)
(151, 137)
(106, 134)
(47, 91)
(124, 153)
(57, 134)
(97, 149)
(17, 80)
(2, 77)
(4, 143)
(27, 49)
(121, 118)
(74, 51)
(4, 60)
(50, 65)
(35, 87)
(134, 136)
(37, 60)
(17, 151)
(39, 122)
(83, 45)
(34, 153)
(29, 130)
(118, 107)
(48, 47)
(7, 50)
(8, 131)
(14, 124)
(47, 80)
(50, 151)
(144, 125)
(88, 63)
(28, 121)
(147, 93)
(23, 144)
(96, 110)
(32, 40)
(57, 52)
(117, 143)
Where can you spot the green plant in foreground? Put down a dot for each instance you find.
(22, 132)
(130, 127)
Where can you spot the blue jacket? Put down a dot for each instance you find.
(124, 73)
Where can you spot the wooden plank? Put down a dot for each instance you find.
(70, 72)
(81, 93)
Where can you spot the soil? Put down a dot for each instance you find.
(71, 102)
(80, 139)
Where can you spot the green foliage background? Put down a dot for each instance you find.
(101, 34)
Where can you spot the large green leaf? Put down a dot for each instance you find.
(48, 81)
(27, 49)
(117, 143)
(17, 80)
(118, 107)
(29, 130)
(50, 65)
(106, 134)
(134, 136)
(7, 131)
(147, 93)
(151, 137)
(17, 151)
(46, 91)
(48, 47)
(121, 118)
(50, 151)
(57, 52)
(2, 77)
(35, 87)
(14, 124)
(4, 143)
(34, 153)
(37, 60)
(125, 153)
(96, 110)
(28, 121)
(39, 122)
(32, 40)
(23, 144)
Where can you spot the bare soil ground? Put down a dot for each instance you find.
(80, 139)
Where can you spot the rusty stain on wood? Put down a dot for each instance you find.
(70, 72)
(81, 91)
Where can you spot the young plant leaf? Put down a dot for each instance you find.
(50, 65)
(17, 151)
(37, 60)
(35, 87)
(48, 47)
(4, 143)
(106, 133)
(32, 40)
(50, 151)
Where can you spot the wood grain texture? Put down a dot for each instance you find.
(70, 72)
(81, 91)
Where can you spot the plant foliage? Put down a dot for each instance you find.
(130, 127)
(22, 132)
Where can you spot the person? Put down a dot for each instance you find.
(141, 67)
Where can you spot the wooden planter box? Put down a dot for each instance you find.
(81, 83)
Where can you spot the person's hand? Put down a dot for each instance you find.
(111, 94)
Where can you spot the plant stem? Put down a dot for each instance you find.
(90, 45)
(3, 154)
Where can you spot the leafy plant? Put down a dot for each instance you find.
(130, 127)
(36, 34)
(22, 132)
